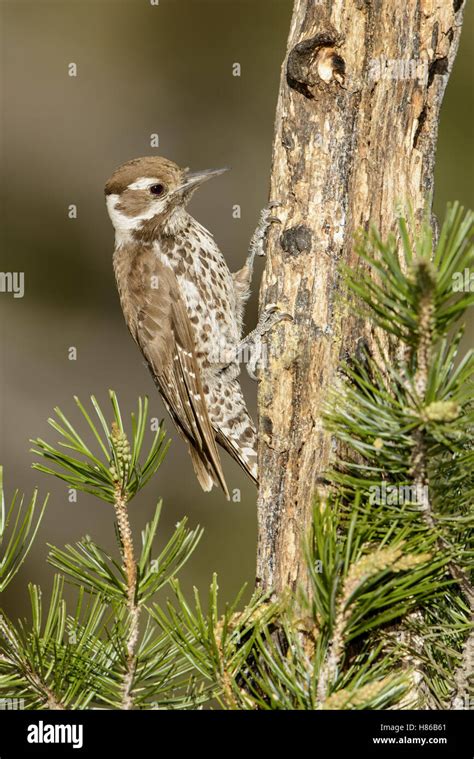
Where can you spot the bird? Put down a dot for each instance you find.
(184, 309)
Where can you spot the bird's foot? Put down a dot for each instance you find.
(270, 316)
(267, 218)
(252, 350)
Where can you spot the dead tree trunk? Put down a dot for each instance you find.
(356, 128)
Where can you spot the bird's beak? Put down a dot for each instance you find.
(195, 179)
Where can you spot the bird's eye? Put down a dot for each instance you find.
(157, 189)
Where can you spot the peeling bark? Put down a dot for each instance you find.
(351, 143)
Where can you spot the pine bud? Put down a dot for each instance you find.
(119, 469)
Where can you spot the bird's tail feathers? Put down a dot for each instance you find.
(204, 473)
(244, 454)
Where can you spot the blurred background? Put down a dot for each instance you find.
(141, 70)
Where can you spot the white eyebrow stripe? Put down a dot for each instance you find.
(143, 183)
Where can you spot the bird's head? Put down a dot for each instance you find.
(151, 192)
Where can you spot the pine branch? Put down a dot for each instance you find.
(102, 655)
(16, 660)
(16, 539)
(407, 419)
(123, 457)
(96, 473)
(425, 286)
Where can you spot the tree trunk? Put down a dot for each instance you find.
(355, 134)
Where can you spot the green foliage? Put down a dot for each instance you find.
(89, 566)
(18, 528)
(221, 648)
(79, 660)
(107, 653)
(323, 649)
(396, 283)
(406, 418)
(98, 473)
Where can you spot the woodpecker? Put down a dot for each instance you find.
(184, 308)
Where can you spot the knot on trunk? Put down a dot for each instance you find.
(313, 61)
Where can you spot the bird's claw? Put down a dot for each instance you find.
(272, 315)
(266, 220)
(271, 217)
